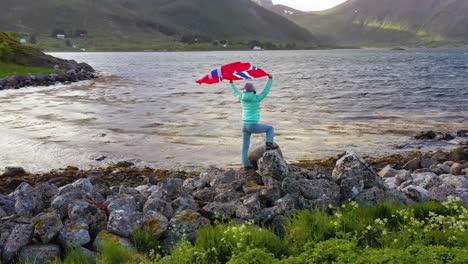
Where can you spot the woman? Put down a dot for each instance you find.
(251, 115)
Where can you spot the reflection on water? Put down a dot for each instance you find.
(147, 107)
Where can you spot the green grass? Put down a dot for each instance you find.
(386, 233)
(20, 70)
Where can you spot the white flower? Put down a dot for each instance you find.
(369, 227)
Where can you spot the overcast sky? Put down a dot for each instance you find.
(309, 5)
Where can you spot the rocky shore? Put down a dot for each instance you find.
(44, 215)
(72, 71)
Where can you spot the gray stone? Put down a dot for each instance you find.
(205, 195)
(124, 223)
(272, 164)
(123, 202)
(47, 225)
(459, 182)
(269, 195)
(156, 223)
(30, 201)
(413, 164)
(13, 172)
(184, 203)
(83, 184)
(107, 236)
(390, 182)
(426, 180)
(427, 163)
(191, 185)
(257, 153)
(226, 177)
(441, 193)
(353, 175)
(388, 172)
(185, 223)
(250, 207)
(82, 212)
(38, 254)
(158, 205)
(227, 196)
(444, 169)
(416, 193)
(456, 169)
(172, 187)
(74, 236)
(7, 204)
(402, 177)
(218, 210)
(61, 202)
(370, 196)
(291, 186)
(19, 237)
(322, 192)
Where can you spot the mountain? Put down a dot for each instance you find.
(387, 22)
(149, 21)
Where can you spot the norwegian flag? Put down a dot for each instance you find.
(235, 71)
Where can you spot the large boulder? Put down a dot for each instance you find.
(442, 192)
(322, 192)
(388, 172)
(426, 180)
(73, 236)
(272, 164)
(30, 201)
(155, 223)
(158, 205)
(83, 212)
(38, 254)
(7, 204)
(183, 224)
(47, 225)
(172, 187)
(353, 175)
(124, 223)
(416, 193)
(124, 202)
(184, 203)
(19, 237)
(257, 153)
(104, 236)
(219, 211)
(61, 202)
(250, 207)
(370, 196)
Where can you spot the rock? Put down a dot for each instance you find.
(83, 184)
(184, 203)
(172, 187)
(219, 211)
(107, 236)
(158, 205)
(272, 164)
(426, 135)
(257, 153)
(416, 193)
(441, 193)
(413, 164)
(426, 180)
(291, 186)
(205, 195)
(440, 156)
(427, 163)
(402, 176)
(442, 169)
(140, 199)
(456, 169)
(462, 133)
(61, 202)
(124, 202)
(459, 155)
(459, 182)
(13, 172)
(19, 237)
(370, 196)
(74, 236)
(38, 254)
(47, 225)
(465, 171)
(227, 196)
(250, 207)
(322, 192)
(7, 204)
(223, 177)
(445, 136)
(353, 175)
(82, 212)
(30, 201)
(186, 223)
(449, 163)
(190, 185)
(124, 223)
(388, 172)
(269, 195)
(155, 223)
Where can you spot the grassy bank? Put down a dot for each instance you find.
(428, 232)
(20, 70)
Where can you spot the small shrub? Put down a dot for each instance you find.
(144, 242)
(254, 256)
(111, 252)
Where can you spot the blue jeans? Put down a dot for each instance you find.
(247, 131)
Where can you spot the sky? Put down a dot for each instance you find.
(309, 5)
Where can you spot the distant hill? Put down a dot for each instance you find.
(148, 21)
(387, 22)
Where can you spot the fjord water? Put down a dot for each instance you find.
(146, 107)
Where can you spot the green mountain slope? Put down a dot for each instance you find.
(388, 22)
(142, 22)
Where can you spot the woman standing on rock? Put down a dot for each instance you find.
(251, 115)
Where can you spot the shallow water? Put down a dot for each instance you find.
(147, 108)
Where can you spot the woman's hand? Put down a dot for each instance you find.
(270, 76)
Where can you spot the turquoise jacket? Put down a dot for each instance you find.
(251, 103)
